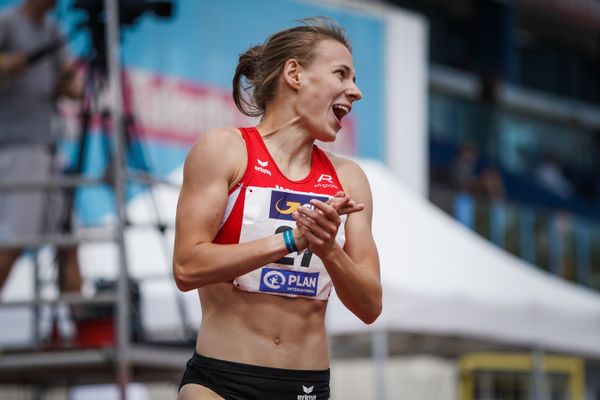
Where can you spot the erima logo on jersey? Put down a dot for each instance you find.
(274, 280)
(307, 393)
(283, 204)
(261, 167)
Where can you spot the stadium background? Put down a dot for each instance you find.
(421, 66)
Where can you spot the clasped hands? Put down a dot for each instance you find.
(319, 224)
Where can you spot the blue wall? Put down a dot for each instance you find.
(201, 45)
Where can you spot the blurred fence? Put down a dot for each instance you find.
(558, 242)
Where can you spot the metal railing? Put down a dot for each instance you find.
(556, 241)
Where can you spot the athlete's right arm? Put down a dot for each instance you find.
(213, 165)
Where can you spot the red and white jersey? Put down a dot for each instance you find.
(261, 205)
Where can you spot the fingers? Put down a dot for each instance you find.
(312, 239)
(318, 221)
(340, 200)
(351, 208)
(315, 234)
(325, 209)
(344, 204)
(322, 222)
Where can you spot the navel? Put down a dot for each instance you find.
(277, 340)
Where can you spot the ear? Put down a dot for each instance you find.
(292, 71)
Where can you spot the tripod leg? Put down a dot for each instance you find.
(7, 259)
(69, 274)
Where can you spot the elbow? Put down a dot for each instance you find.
(183, 286)
(182, 277)
(372, 314)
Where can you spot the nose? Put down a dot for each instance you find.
(354, 92)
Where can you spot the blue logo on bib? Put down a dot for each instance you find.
(283, 204)
(274, 280)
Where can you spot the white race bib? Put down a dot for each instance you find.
(268, 211)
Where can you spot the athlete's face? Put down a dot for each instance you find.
(327, 90)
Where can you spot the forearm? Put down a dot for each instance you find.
(70, 84)
(3, 63)
(358, 290)
(12, 63)
(208, 263)
(71, 90)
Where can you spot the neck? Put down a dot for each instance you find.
(289, 143)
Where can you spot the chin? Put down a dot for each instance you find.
(326, 136)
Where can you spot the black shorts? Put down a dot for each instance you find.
(235, 381)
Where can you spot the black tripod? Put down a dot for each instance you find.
(138, 167)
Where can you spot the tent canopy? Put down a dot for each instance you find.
(440, 278)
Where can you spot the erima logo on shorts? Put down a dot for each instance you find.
(307, 393)
(274, 280)
(283, 204)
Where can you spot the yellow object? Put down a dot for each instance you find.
(498, 368)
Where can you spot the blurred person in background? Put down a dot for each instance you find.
(471, 175)
(465, 168)
(550, 175)
(28, 94)
(491, 183)
(267, 224)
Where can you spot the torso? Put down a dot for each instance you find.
(281, 326)
(27, 99)
(261, 329)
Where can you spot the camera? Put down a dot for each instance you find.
(129, 12)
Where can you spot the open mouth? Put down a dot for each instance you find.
(340, 111)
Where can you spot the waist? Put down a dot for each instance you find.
(262, 329)
(199, 360)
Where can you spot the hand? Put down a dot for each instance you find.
(318, 226)
(70, 82)
(13, 63)
(344, 204)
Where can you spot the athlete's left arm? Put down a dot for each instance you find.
(354, 269)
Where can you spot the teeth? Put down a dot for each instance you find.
(341, 109)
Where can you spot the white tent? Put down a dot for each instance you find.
(440, 278)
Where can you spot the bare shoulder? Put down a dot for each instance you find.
(220, 151)
(351, 175)
(218, 138)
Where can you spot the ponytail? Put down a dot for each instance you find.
(247, 70)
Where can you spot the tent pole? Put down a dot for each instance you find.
(123, 312)
(539, 383)
(379, 348)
